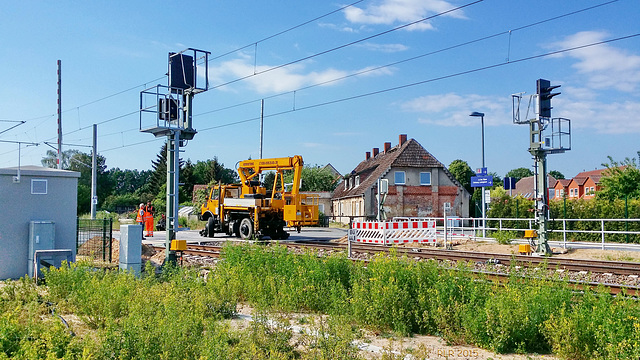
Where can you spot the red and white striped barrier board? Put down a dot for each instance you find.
(395, 232)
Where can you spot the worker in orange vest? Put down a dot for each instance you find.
(141, 215)
(148, 218)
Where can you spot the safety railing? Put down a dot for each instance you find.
(594, 233)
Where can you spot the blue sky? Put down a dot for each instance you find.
(421, 80)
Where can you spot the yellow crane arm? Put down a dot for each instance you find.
(249, 169)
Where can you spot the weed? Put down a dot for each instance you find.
(504, 237)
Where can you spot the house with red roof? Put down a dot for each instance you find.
(526, 186)
(561, 188)
(585, 184)
(419, 185)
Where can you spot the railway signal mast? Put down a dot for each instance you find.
(547, 135)
(167, 111)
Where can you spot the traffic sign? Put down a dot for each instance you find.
(481, 171)
(510, 183)
(482, 181)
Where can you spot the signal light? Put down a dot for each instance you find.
(543, 90)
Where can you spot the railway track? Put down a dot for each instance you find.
(608, 268)
(593, 266)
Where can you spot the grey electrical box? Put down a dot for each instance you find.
(131, 248)
(41, 237)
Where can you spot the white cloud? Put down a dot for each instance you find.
(279, 80)
(612, 118)
(453, 109)
(620, 117)
(400, 11)
(605, 66)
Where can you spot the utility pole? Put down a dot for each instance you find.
(59, 160)
(94, 172)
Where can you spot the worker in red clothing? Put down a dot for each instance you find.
(141, 216)
(148, 218)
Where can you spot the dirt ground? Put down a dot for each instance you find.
(594, 254)
(375, 346)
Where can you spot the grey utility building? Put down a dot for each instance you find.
(38, 203)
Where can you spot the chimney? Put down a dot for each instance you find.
(402, 139)
(387, 146)
(367, 155)
(375, 152)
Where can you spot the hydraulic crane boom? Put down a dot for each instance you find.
(249, 209)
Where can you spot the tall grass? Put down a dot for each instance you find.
(395, 294)
(180, 314)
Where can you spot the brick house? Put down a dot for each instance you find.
(419, 185)
(585, 184)
(561, 188)
(526, 186)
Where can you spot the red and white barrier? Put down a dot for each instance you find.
(395, 232)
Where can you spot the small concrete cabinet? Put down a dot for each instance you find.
(38, 211)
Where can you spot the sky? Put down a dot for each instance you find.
(337, 79)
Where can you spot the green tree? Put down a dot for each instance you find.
(519, 173)
(159, 170)
(497, 180)
(620, 180)
(314, 178)
(129, 181)
(556, 174)
(211, 171)
(50, 160)
(462, 172)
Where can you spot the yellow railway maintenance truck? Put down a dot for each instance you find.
(249, 210)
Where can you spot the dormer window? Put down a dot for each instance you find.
(357, 180)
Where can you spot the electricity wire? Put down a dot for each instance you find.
(368, 70)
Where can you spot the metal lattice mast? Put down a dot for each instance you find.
(170, 109)
(540, 145)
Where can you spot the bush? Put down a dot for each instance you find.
(177, 314)
(598, 325)
(124, 201)
(504, 237)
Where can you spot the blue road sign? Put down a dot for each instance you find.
(481, 171)
(510, 183)
(482, 181)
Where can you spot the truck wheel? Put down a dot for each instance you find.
(246, 229)
(210, 227)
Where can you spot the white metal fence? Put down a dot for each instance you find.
(601, 233)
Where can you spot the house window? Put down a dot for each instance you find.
(425, 178)
(561, 192)
(357, 180)
(321, 208)
(570, 192)
(557, 193)
(399, 178)
(38, 186)
(593, 190)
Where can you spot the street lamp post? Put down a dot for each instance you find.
(484, 228)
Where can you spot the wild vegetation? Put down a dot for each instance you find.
(180, 314)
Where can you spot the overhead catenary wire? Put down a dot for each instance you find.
(305, 58)
(334, 49)
(348, 44)
(218, 56)
(355, 74)
(368, 70)
(395, 88)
